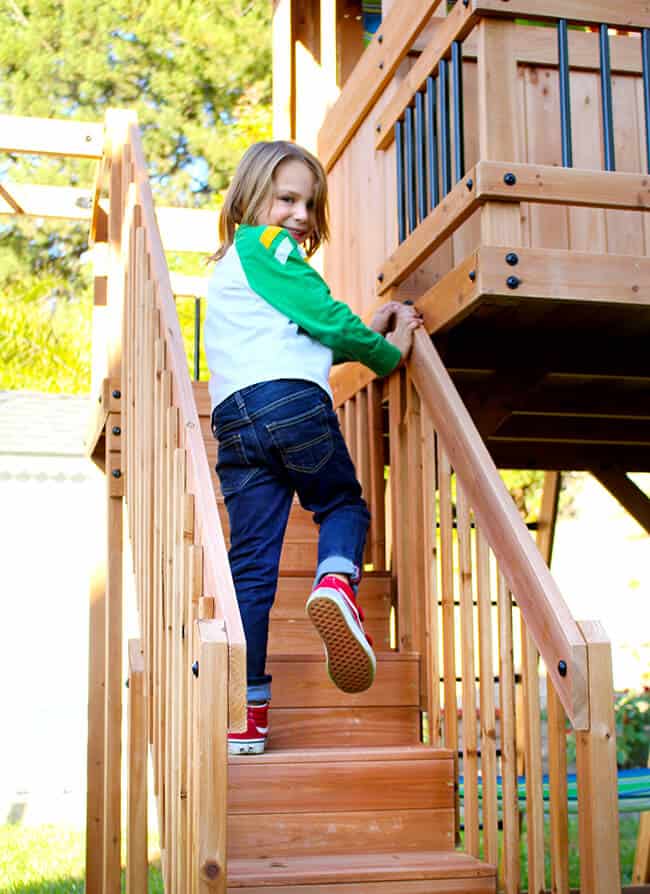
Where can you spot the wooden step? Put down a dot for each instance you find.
(397, 872)
(291, 630)
(323, 801)
(343, 727)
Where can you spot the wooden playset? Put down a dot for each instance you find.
(490, 162)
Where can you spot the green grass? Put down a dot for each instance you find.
(49, 860)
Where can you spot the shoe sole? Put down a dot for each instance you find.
(350, 659)
(245, 747)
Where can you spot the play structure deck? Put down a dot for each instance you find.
(489, 162)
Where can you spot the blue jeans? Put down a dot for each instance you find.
(276, 439)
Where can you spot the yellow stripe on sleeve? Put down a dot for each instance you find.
(268, 235)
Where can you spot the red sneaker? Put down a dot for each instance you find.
(253, 740)
(333, 610)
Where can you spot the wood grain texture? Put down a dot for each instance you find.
(338, 727)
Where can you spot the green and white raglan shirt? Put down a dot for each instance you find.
(272, 316)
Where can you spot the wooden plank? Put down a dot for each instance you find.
(468, 885)
(641, 869)
(369, 784)
(212, 769)
(596, 771)
(377, 531)
(628, 494)
(302, 681)
(399, 520)
(137, 863)
(487, 706)
(178, 707)
(94, 859)
(300, 635)
(548, 515)
(373, 72)
(558, 794)
(113, 695)
(466, 619)
(431, 618)
(447, 598)
(633, 14)
(533, 755)
(48, 136)
(508, 744)
(343, 727)
(287, 835)
(550, 622)
(284, 86)
(455, 26)
(412, 523)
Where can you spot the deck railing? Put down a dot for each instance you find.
(474, 594)
(187, 670)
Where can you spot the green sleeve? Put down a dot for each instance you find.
(276, 270)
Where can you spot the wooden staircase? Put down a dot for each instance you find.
(346, 798)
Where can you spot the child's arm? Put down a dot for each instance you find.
(276, 270)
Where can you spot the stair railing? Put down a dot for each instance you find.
(191, 682)
(477, 600)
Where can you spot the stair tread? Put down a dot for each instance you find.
(356, 868)
(332, 755)
(381, 656)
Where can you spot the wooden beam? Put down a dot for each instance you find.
(549, 621)
(137, 863)
(628, 494)
(50, 136)
(548, 515)
(188, 229)
(373, 72)
(284, 72)
(455, 26)
(62, 202)
(554, 430)
(576, 456)
(14, 206)
(631, 14)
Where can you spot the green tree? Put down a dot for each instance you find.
(197, 74)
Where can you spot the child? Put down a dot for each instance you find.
(272, 332)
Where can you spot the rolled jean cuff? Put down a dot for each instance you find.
(259, 692)
(339, 565)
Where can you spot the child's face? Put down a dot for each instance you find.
(292, 201)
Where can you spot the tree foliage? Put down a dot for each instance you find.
(197, 74)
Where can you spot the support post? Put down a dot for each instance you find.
(137, 863)
(548, 514)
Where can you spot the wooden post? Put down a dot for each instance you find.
(641, 871)
(284, 99)
(113, 669)
(548, 514)
(212, 769)
(137, 863)
(96, 709)
(559, 805)
(597, 777)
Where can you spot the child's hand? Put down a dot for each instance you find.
(381, 321)
(402, 335)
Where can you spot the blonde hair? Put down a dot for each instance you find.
(251, 187)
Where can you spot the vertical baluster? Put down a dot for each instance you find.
(558, 793)
(351, 427)
(565, 93)
(606, 97)
(645, 43)
(459, 124)
(409, 140)
(470, 750)
(197, 339)
(432, 127)
(447, 599)
(432, 657)
(376, 473)
(445, 130)
(399, 158)
(363, 458)
(508, 744)
(487, 708)
(533, 751)
(421, 162)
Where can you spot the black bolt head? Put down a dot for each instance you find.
(381, 66)
(117, 394)
(117, 473)
(465, 2)
(513, 282)
(378, 128)
(470, 183)
(562, 668)
(408, 301)
(380, 277)
(116, 430)
(512, 258)
(380, 38)
(472, 275)
(195, 668)
(509, 179)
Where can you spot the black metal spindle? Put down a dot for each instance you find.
(432, 124)
(420, 156)
(445, 141)
(565, 94)
(197, 339)
(606, 95)
(399, 157)
(410, 169)
(645, 44)
(459, 124)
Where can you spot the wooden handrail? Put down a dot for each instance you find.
(556, 634)
(217, 578)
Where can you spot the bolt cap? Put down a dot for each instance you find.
(512, 258)
(117, 473)
(472, 275)
(513, 282)
(562, 668)
(509, 179)
(195, 668)
(117, 394)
